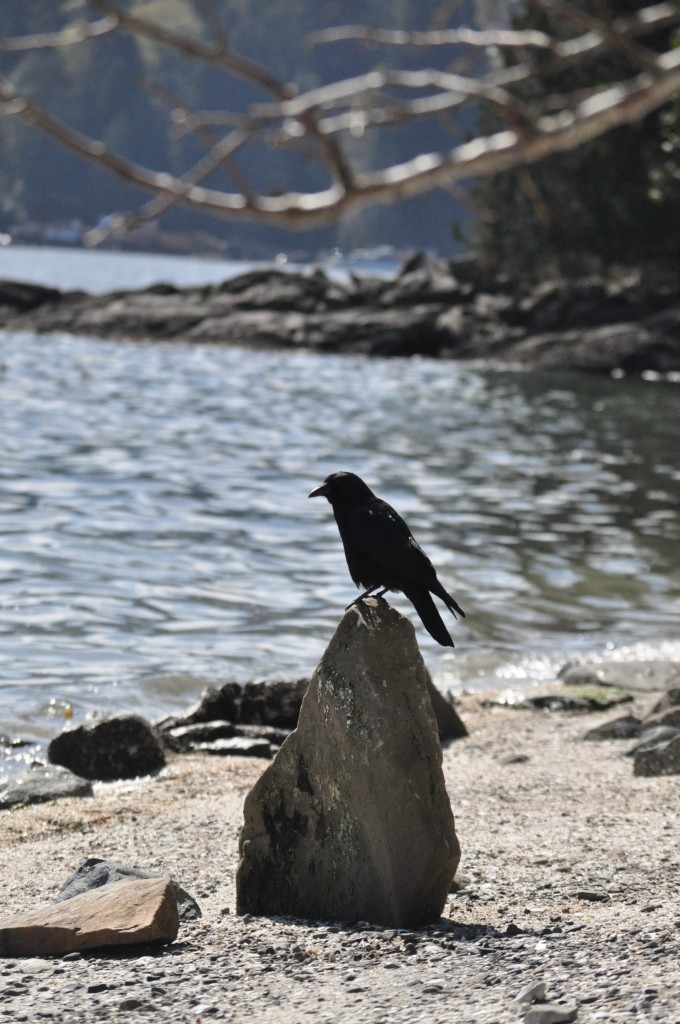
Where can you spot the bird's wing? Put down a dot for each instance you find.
(379, 532)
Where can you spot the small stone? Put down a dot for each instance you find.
(661, 759)
(42, 783)
(34, 965)
(653, 737)
(625, 727)
(449, 723)
(95, 872)
(551, 1013)
(242, 746)
(131, 1003)
(640, 676)
(668, 716)
(534, 992)
(592, 895)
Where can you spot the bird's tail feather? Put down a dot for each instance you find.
(431, 619)
(449, 601)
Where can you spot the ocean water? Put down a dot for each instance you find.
(156, 537)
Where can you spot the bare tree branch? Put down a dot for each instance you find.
(70, 36)
(218, 54)
(324, 117)
(437, 37)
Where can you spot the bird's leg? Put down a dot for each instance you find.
(366, 593)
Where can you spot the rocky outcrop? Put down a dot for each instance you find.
(271, 703)
(267, 710)
(352, 820)
(432, 308)
(120, 747)
(124, 914)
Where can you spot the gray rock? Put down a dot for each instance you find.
(205, 735)
(269, 709)
(449, 723)
(352, 820)
(660, 759)
(551, 1013)
(273, 702)
(639, 676)
(534, 992)
(42, 783)
(670, 699)
(592, 895)
(269, 703)
(669, 716)
(654, 737)
(271, 733)
(186, 737)
(215, 705)
(96, 872)
(624, 728)
(121, 747)
(242, 746)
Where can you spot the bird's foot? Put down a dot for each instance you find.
(366, 593)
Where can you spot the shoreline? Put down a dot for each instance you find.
(568, 877)
(526, 674)
(433, 308)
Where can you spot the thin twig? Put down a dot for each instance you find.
(70, 36)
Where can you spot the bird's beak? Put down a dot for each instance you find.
(319, 492)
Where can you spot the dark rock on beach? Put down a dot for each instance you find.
(435, 308)
(352, 820)
(271, 703)
(95, 872)
(268, 710)
(625, 727)
(120, 747)
(240, 746)
(661, 757)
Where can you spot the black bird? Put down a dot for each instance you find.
(381, 551)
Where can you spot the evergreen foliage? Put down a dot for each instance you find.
(612, 203)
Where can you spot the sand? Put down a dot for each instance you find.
(569, 880)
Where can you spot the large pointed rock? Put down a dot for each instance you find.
(352, 820)
(122, 914)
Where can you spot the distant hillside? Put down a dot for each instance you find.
(119, 89)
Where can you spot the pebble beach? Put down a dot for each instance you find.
(565, 907)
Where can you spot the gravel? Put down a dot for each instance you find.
(566, 906)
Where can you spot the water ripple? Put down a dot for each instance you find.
(156, 532)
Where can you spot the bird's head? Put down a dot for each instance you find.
(343, 488)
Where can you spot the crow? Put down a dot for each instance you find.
(381, 552)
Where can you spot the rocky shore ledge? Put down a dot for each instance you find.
(564, 907)
(433, 308)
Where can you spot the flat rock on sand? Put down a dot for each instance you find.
(122, 914)
(567, 817)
